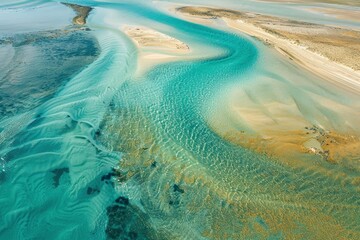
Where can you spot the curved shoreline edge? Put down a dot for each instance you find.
(82, 13)
(306, 49)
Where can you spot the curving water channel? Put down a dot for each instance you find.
(101, 153)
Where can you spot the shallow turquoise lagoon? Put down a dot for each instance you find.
(90, 150)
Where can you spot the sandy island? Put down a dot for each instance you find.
(282, 130)
(82, 12)
(155, 47)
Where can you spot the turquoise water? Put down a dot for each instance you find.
(107, 154)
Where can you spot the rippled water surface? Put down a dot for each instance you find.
(90, 150)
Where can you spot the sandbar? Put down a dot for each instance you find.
(155, 47)
(329, 52)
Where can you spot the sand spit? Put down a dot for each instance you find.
(81, 11)
(155, 47)
(148, 38)
(331, 53)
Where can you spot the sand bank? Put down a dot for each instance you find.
(329, 52)
(149, 38)
(285, 124)
(155, 47)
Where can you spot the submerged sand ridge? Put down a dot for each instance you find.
(285, 126)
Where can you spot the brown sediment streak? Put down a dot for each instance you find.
(333, 147)
(81, 11)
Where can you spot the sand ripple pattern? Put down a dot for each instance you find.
(53, 165)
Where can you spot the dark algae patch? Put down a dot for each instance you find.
(178, 189)
(41, 63)
(58, 173)
(127, 222)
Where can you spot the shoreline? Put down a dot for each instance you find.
(279, 128)
(308, 57)
(337, 73)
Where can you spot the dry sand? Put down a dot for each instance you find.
(155, 47)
